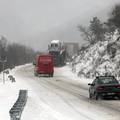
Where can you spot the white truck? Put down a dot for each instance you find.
(57, 50)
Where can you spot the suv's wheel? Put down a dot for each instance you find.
(90, 95)
(97, 96)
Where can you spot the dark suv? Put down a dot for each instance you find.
(104, 86)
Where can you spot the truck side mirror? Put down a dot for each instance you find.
(91, 84)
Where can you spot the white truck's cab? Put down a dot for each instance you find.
(57, 50)
(55, 45)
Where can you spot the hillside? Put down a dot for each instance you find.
(99, 59)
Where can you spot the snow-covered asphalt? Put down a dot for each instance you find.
(63, 97)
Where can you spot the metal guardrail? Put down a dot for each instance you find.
(16, 111)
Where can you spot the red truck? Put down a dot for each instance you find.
(44, 65)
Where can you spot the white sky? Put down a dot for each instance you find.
(20, 20)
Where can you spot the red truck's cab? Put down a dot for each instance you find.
(44, 65)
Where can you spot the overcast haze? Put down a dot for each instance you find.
(36, 22)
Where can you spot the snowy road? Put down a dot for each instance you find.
(63, 97)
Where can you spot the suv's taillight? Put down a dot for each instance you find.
(118, 86)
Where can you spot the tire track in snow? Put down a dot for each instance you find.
(76, 93)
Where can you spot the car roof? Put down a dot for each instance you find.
(105, 76)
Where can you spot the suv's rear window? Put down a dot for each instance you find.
(107, 80)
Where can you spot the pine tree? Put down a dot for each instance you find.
(114, 20)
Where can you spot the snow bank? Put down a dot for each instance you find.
(9, 93)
